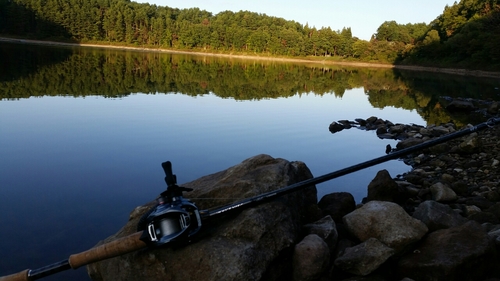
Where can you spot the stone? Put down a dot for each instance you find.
(460, 105)
(464, 252)
(254, 244)
(484, 217)
(337, 205)
(408, 143)
(470, 145)
(397, 129)
(493, 108)
(439, 131)
(364, 258)
(442, 193)
(335, 127)
(324, 228)
(360, 121)
(437, 216)
(479, 201)
(310, 258)
(386, 221)
(382, 188)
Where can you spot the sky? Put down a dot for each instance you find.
(362, 16)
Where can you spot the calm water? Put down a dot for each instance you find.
(83, 133)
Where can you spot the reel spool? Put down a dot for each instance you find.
(174, 219)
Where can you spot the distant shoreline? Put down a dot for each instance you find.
(454, 71)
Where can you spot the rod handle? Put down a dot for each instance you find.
(20, 276)
(112, 249)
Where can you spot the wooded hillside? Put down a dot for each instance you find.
(465, 35)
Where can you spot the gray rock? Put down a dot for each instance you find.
(382, 188)
(387, 222)
(337, 205)
(310, 258)
(439, 131)
(397, 129)
(460, 105)
(326, 229)
(464, 252)
(335, 127)
(437, 216)
(251, 245)
(408, 143)
(493, 108)
(479, 201)
(442, 193)
(470, 145)
(364, 258)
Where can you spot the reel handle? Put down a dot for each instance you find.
(170, 178)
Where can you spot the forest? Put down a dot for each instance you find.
(465, 35)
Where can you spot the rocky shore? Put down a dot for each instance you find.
(453, 189)
(440, 221)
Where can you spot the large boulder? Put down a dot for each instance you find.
(255, 244)
(386, 221)
(437, 216)
(464, 252)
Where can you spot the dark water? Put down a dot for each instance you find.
(83, 132)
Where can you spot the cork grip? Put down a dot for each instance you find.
(20, 276)
(109, 250)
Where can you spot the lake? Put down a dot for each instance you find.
(83, 132)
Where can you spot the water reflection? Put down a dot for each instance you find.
(80, 72)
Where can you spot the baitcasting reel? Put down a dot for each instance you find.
(174, 219)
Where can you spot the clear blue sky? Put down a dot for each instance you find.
(363, 16)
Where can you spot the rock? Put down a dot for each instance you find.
(471, 210)
(382, 188)
(495, 209)
(337, 204)
(255, 244)
(387, 222)
(492, 196)
(381, 130)
(310, 258)
(324, 228)
(463, 252)
(460, 105)
(372, 119)
(479, 201)
(460, 187)
(493, 108)
(437, 216)
(346, 123)
(397, 129)
(360, 121)
(408, 143)
(470, 145)
(335, 127)
(439, 131)
(484, 217)
(364, 258)
(442, 193)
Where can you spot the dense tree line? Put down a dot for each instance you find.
(466, 34)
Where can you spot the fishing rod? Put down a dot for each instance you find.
(175, 221)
